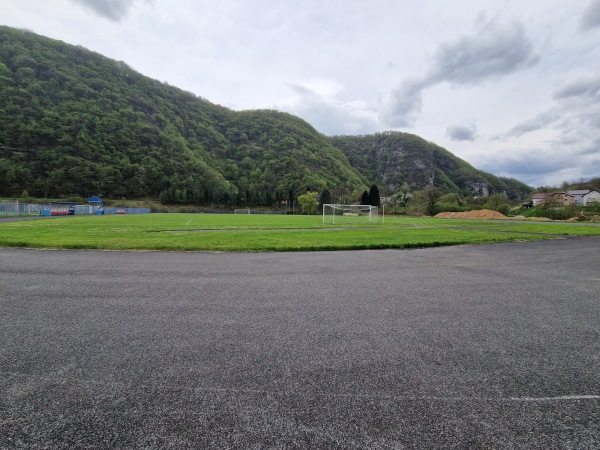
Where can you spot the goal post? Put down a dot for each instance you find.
(241, 211)
(338, 213)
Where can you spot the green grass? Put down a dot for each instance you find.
(253, 233)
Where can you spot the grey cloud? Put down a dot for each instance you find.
(588, 86)
(404, 103)
(537, 166)
(462, 132)
(575, 113)
(572, 127)
(526, 163)
(591, 16)
(113, 10)
(541, 121)
(494, 51)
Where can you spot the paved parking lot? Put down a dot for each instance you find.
(492, 346)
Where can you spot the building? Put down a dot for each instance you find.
(561, 198)
(578, 196)
(539, 198)
(591, 197)
(581, 197)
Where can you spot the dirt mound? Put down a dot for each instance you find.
(584, 219)
(475, 214)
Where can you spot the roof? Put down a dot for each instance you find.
(540, 195)
(579, 192)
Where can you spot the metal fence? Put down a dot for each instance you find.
(17, 209)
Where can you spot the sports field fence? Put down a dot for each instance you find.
(18, 209)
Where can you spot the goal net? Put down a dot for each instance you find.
(336, 213)
(242, 211)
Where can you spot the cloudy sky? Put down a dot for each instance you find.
(511, 86)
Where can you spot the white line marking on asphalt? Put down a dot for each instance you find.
(553, 399)
(416, 397)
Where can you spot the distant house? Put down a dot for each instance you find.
(539, 198)
(561, 198)
(578, 196)
(591, 197)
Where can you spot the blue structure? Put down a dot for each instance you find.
(96, 202)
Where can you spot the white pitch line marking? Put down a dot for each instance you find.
(559, 398)
(190, 221)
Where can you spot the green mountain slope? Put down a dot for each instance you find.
(392, 158)
(75, 122)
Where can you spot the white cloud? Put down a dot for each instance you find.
(317, 101)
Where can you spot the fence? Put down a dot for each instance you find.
(16, 209)
(20, 209)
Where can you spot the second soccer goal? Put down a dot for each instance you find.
(337, 213)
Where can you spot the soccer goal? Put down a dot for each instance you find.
(336, 213)
(242, 211)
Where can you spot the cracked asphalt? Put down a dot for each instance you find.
(490, 346)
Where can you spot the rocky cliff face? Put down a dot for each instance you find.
(394, 158)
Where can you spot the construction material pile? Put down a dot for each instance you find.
(475, 214)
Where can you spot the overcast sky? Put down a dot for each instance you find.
(513, 87)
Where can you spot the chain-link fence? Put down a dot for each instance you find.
(17, 209)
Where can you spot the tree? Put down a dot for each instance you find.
(374, 198)
(495, 200)
(431, 195)
(324, 198)
(308, 202)
(365, 199)
(402, 197)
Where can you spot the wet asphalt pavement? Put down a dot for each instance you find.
(491, 346)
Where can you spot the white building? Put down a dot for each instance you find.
(578, 196)
(584, 196)
(591, 197)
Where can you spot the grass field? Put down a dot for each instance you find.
(255, 233)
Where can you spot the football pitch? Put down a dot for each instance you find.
(258, 232)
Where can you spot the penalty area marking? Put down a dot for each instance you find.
(189, 221)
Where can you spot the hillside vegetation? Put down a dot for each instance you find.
(73, 122)
(393, 158)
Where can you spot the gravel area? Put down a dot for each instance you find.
(491, 346)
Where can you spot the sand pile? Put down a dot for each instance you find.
(476, 214)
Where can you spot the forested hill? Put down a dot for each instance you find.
(73, 122)
(394, 158)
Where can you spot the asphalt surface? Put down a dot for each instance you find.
(491, 346)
